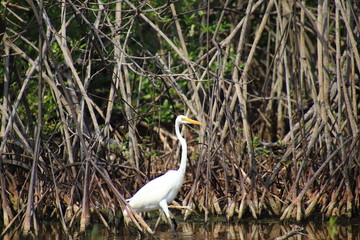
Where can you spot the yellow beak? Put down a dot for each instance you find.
(192, 121)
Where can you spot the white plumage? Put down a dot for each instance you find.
(159, 192)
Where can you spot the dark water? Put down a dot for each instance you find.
(215, 229)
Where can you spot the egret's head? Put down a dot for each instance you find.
(183, 119)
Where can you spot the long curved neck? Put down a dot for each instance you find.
(182, 140)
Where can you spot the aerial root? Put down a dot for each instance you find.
(275, 206)
(216, 205)
(242, 208)
(312, 204)
(253, 208)
(299, 212)
(349, 203)
(287, 214)
(230, 211)
(189, 210)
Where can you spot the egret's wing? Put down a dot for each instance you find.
(163, 187)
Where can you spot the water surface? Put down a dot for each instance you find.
(217, 228)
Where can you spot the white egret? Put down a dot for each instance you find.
(159, 192)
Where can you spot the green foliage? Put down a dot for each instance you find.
(166, 114)
(29, 110)
(256, 141)
(258, 149)
(332, 227)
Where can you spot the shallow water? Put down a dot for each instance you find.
(217, 228)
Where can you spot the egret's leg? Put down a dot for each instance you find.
(164, 206)
(158, 220)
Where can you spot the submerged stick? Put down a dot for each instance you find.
(291, 233)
